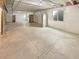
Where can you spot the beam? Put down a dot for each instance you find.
(51, 1)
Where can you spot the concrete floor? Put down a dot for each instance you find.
(29, 42)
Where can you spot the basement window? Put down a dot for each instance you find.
(58, 15)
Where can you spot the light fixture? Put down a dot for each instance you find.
(40, 2)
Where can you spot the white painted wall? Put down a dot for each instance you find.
(22, 17)
(71, 19)
(44, 20)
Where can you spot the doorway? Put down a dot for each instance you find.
(31, 18)
(14, 19)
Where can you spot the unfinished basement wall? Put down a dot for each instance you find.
(9, 18)
(71, 19)
(38, 16)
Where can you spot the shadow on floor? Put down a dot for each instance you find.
(35, 25)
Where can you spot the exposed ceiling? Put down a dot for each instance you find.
(31, 5)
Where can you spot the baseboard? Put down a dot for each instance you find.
(63, 30)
